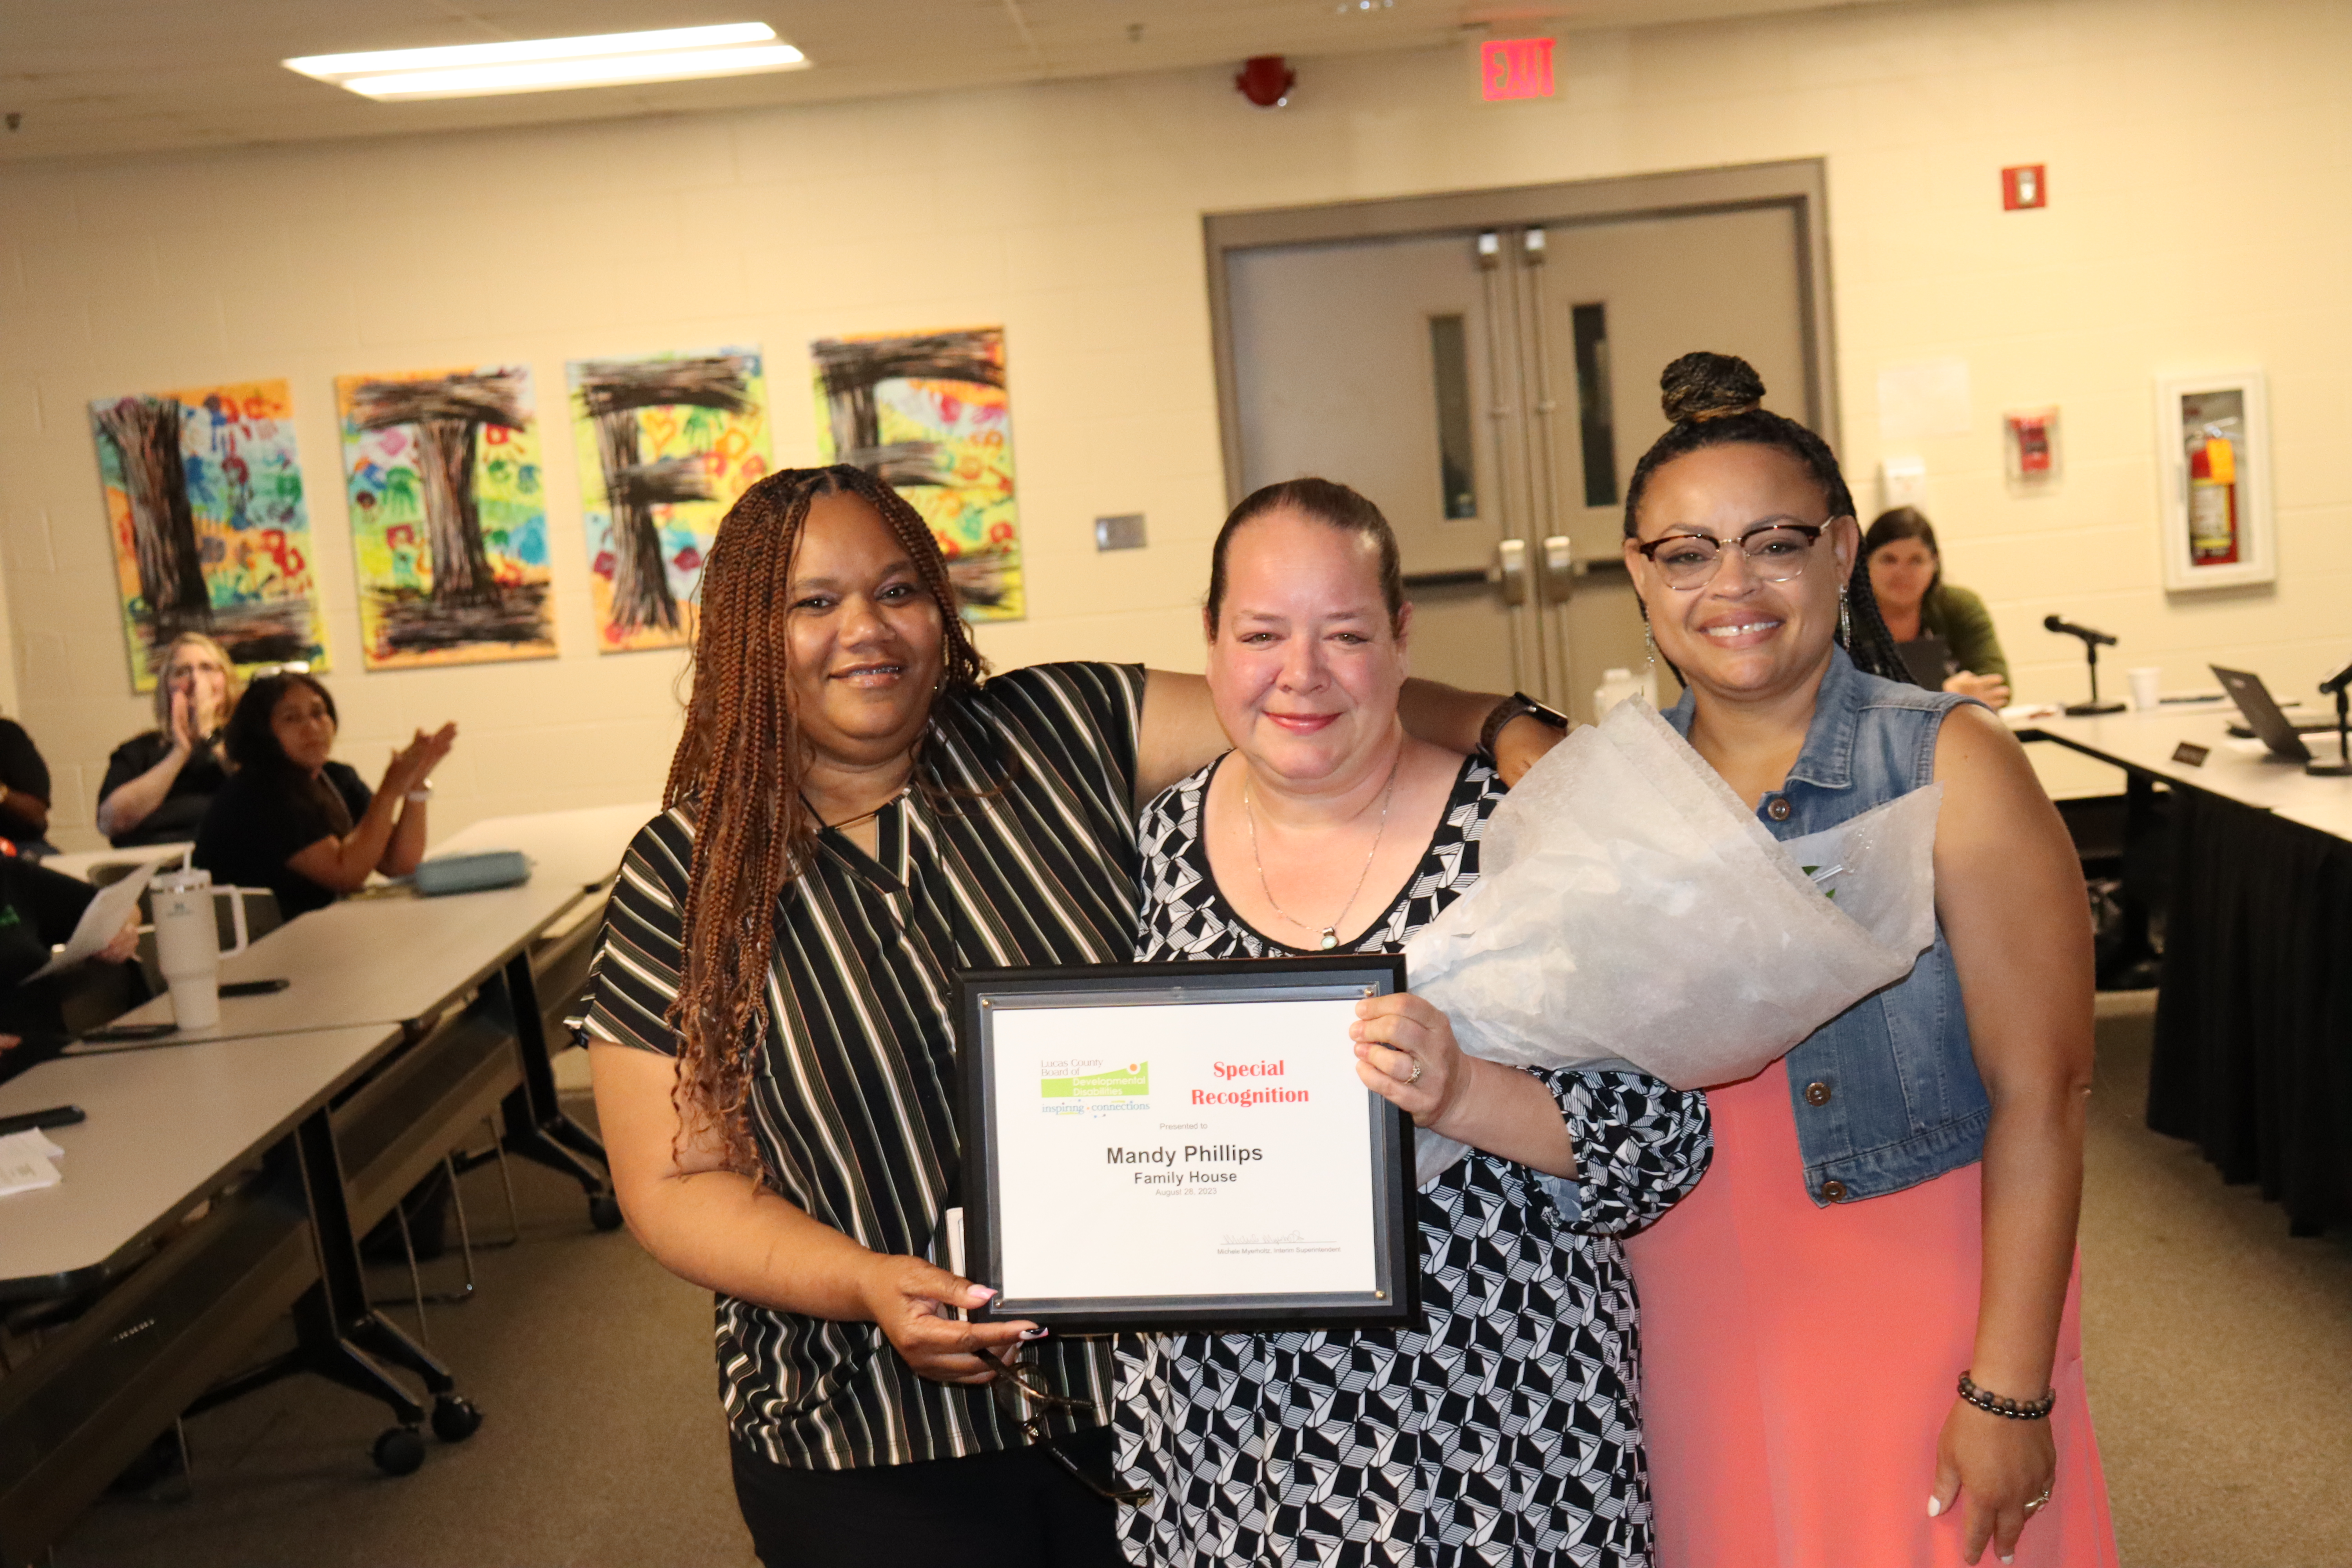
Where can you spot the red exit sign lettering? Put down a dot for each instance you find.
(1514, 68)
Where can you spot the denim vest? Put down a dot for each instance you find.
(1886, 1093)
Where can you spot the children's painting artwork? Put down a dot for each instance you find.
(665, 444)
(928, 414)
(448, 516)
(203, 498)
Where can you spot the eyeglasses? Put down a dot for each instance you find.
(1776, 552)
(1010, 1388)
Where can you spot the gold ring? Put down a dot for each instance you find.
(1416, 1071)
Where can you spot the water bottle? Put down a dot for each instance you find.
(187, 940)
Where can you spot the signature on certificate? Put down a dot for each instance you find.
(1285, 1241)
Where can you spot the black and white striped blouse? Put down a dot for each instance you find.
(1021, 851)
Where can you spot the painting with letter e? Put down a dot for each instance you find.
(929, 414)
(1183, 1145)
(667, 443)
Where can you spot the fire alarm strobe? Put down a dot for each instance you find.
(1267, 81)
(2024, 185)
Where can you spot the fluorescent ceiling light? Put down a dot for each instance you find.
(544, 65)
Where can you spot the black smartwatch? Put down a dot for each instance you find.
(1518, 704)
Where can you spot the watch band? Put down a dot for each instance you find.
(1519, 704)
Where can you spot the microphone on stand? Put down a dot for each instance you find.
(2094, 638)
(2091, 644)
(2340, 683)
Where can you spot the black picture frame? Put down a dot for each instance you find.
(1394, 1298)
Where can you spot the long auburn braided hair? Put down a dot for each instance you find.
(1714, 400)
(738, 771)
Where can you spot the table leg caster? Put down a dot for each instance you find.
(455, 1418)
(604, 1211)
(399, 1451)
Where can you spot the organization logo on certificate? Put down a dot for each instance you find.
(1075, 1088)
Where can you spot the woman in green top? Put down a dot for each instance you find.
(1906, 574)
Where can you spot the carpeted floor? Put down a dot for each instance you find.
(2220, 1354)
(2218, 1349)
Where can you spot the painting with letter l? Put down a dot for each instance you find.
(204, 502)
(448, 516)
(929, 412)
(665, 444)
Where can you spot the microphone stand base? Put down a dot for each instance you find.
(2089, 709)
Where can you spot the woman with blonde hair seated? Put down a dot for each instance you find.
(159, 783)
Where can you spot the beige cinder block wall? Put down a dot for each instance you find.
(2198, 164)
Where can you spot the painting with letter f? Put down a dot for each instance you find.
(448, 516)
(665, 442)
(930, 415)
(204, 500)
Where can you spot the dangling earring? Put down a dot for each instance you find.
(1845, 619)
(1650, 646)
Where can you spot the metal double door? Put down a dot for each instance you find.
(1490, 389)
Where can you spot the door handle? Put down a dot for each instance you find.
(1558, 568)
(1511, 570)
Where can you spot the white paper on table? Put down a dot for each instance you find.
(104, 915)
(1182, 1180)
(25, 1162)
(1630, 909)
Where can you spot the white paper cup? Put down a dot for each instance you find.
(2147, 686)
(196, 1001)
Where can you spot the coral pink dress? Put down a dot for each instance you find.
(1798, 1363)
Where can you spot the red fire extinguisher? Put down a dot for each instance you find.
(2213, 502)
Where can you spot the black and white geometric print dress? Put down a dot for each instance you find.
(1507, 1430)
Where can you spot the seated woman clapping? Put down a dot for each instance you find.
(1506, 1429)
(158, 784)
(292, 820)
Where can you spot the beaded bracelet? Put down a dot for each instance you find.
(2015, 1409)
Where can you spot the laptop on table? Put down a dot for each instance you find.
(2282, 735)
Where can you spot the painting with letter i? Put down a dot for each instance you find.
(204, 500)
(928, 414)
(667, 443)
(448, 516)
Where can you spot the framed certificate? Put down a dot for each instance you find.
(1183, 1145)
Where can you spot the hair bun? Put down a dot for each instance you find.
(1703, 385)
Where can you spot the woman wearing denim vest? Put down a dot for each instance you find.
(1859, 1332)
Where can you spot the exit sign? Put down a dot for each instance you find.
(1514, 68)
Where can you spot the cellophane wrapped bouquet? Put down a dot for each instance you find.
(1631, 909)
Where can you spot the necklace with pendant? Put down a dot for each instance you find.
(1327, 936)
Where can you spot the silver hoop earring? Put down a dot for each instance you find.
(1845, 618)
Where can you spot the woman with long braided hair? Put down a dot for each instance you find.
(1859, 1333)
(854, 812)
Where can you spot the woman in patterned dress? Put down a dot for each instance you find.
(1505, 1429)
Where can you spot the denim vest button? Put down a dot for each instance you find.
(1834, 1191)
(1778, 808)
(1817, 1094)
